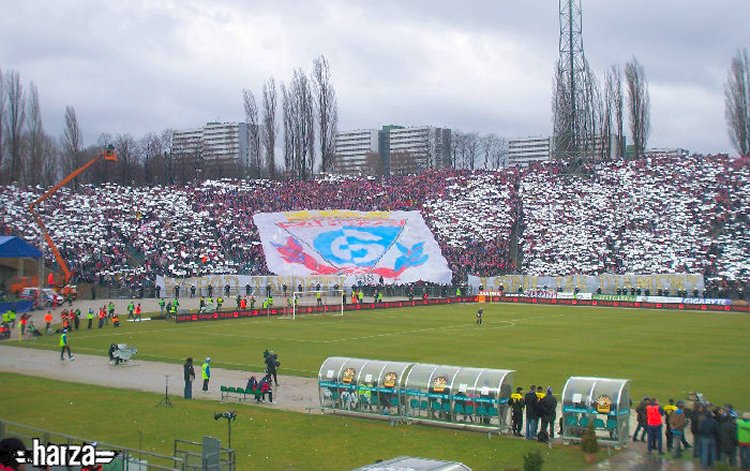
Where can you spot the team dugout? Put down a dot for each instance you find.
(451, 395)
(605, 402)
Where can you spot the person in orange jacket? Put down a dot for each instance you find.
(48, 321)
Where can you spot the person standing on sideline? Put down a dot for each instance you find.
(728, 440)
(531, 413)
(65, 345)
(677, 424)
(548, 409)
(48, 321)
(90, 317)
(708, 428)
(640, 411)
(131, 308)
(272, 362)
(479, 315)
(743, 440)
(654, 414)
(161, 306)
(668, 410)
(206, 373)
(189, 373)
(517, 404)
(138, 313)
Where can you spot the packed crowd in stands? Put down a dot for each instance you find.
(657, 215)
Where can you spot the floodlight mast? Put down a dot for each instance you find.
(108, 155)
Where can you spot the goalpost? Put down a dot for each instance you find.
(323, 302)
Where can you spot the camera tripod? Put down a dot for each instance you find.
(165, 400)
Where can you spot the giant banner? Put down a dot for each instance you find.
(363, 246)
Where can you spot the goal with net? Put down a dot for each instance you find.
(323, 302)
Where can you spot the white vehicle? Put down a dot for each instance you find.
(47, 296)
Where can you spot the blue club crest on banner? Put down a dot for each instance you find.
(358, 246)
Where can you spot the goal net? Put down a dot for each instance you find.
(323, 302)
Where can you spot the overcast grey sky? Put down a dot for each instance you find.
(480, 65)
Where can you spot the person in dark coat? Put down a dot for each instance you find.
(728, 440)
(708, 428)
(189, 376)
(272, 362)
(548, 411)
(640, 411)
(532, 414)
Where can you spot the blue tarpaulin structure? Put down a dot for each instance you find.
(14, 247)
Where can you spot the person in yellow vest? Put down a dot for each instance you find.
(360, 296)
(668, 409)
(206, 373)
(318, 299)
(65, 345)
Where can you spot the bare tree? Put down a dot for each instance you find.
(72, 143)
(471, 146)
(298, 108)
(253, 132)
(374, 164)
(495, 151)
(737, 102)
(150, 150)
(167, 152)
(127, 158)
(617, 111)
(35, 138)
(14, 122)
(50, 171)
(269, 126)
(327, 111)
(638, 105)
(287, 114)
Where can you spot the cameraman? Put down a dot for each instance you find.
(272, 362)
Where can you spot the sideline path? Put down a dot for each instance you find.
(294, 393)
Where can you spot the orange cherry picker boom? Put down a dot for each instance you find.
(108, 155)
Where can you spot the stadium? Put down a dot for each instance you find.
(492, 228)
(284, 293)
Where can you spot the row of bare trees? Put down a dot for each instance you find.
(586, 122)
(473, 151)
(309, 111)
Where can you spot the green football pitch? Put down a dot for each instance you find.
(666, 354)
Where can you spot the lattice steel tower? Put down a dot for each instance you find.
(574, 122)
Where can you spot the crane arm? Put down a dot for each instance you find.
(108, 155)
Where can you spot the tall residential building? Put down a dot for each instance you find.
(358, 151)
(413, 150)
(525, 150)
(214, 143)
